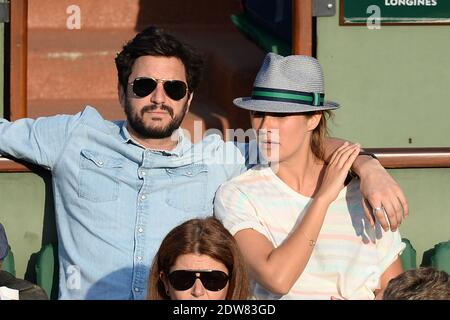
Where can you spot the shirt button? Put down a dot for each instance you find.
(136, 289)
(139, 258)
(140, 230)
(143, 197)
(100, 163)
(142, 173)
(189, 173)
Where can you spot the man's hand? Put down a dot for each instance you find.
(381, 193)
(382, 196)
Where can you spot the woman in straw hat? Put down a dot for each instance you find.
(298, 219)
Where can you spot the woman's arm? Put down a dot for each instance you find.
(277, 269)
(378, 189)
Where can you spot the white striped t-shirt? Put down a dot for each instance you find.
(349, 256)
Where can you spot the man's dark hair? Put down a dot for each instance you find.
(419, 284)
(154, 41)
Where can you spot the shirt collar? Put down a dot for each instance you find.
(125, 135)
(183, 143)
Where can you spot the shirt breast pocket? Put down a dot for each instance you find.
(188, 188)
(99, 176)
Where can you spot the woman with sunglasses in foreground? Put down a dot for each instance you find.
(199, 259)
(303, 234)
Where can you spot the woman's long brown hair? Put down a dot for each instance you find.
(200, 236)
(319, 133)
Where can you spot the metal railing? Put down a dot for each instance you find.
(390, 158)
(406, 158)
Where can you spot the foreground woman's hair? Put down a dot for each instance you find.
(203, 237)
(419, 284)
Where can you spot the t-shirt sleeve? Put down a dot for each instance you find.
(233, 208)
(389, 247)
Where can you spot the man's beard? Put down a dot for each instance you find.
(136, 121)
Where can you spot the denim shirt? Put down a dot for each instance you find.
(115, 200)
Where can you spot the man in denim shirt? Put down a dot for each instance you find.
(120, 187)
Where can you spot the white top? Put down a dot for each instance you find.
(349, 256)
(8, 294)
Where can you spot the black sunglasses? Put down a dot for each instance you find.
(175, 89)
(212, 280)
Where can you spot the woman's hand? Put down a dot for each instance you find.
(337, 171)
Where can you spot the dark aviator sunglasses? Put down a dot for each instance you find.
(175, 89)
(212, 280)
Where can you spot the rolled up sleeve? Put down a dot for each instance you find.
(39, 141)
(389, 247)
